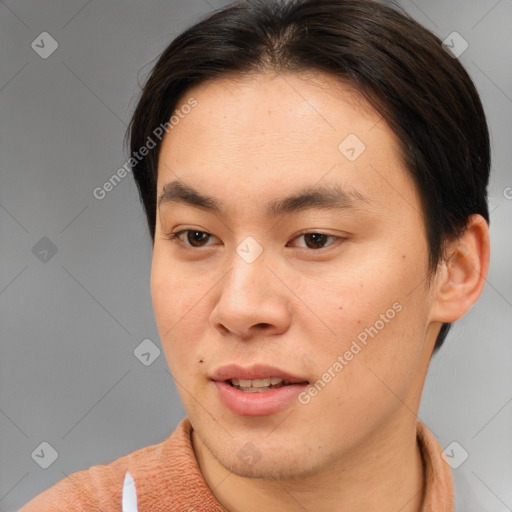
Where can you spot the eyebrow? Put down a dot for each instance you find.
(325, 196)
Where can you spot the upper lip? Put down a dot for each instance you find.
(253, 372)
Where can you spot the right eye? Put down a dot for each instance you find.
(191, 237)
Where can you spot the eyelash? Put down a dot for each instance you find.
(175, 237)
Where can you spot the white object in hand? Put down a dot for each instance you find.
(129, 494)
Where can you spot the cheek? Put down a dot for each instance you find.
(379, 305)
(163, 292)
(171, 302)
(376, 346)
(175, 298)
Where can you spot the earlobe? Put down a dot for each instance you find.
(462, 274)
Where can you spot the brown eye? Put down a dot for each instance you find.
(314, 240)
(197, 238)
(191, 238)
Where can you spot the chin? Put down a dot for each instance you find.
(255, 455)
(270, 463)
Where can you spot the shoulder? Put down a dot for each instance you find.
(99, 488)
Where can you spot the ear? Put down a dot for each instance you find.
(461, 275)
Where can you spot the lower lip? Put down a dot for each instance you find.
(258, 404)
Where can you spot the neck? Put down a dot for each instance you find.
(385, 473)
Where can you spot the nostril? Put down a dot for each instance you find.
(222, 328)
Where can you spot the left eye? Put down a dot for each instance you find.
(316, 240)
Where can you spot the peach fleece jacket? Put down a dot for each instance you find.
(168, 479)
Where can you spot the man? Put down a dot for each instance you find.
(316, 195)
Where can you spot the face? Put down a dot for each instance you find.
(289, 246)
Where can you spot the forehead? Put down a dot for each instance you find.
(260, 106)
(250, 137)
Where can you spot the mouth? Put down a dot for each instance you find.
(257, 390)
(260, 385)
(256, 378)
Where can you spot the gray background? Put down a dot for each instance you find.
(70, 321)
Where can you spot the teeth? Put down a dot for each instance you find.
(257, 383)
(260, 383)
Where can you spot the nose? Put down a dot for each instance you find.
(251, 301)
